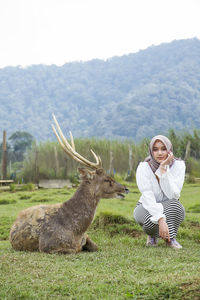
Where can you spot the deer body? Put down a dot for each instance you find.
(61, 228)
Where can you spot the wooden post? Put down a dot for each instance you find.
(130, 158)
(36, 166)
(56, 160)
(111, 162)
(187, 151)
(4, 157)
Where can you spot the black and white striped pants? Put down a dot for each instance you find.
(174, 212)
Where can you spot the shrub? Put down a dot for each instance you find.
(106, 218)
(190, 179)
(12, 187)
(130, 176)
(7, 201)
(74, 179)
(43, 198)
(29, 187)
(24, 197)
(193, 166)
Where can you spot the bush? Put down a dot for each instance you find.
(12, 187)
(28, 187)
(7, 201)
(24, 197)
(190, 179)
(130, 176)
(193, 166)
(74, 179)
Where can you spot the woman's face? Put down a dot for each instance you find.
(159, 151)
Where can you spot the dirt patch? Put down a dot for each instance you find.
(191, 290)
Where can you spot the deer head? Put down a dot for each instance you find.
(101, 184)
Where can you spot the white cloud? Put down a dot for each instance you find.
(57, 31)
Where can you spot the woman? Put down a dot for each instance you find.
(160, 179)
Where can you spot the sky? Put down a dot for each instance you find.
(59, 31)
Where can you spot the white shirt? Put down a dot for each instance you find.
(154, 192)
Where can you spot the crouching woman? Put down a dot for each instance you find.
(160, 179)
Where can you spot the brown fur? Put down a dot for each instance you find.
(61, 228)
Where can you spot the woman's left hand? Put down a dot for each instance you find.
(168, 160)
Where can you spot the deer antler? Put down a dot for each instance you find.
(70, 149)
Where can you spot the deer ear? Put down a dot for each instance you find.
(100, 171)
(85, 173)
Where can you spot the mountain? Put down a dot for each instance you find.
(132, 96)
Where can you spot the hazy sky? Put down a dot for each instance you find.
(59, 31)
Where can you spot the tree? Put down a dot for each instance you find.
(20, 141)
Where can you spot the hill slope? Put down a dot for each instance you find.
(135, 96)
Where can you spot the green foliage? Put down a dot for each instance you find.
(52, 162)
(43, 198)
(5, 224)
(130, 176)
(12, 187)
(25, 196)
(74, 179)
(193, 166)
(106, 218)
(47, 160)
(195, 208)
(134, 96)
(190, 179)
(28, 187)
(7, 201)
(20, 141)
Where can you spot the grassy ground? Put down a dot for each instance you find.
(123, 268)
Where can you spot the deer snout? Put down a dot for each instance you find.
(126, 190)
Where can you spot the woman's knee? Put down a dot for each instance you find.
(179, 209)
(139, 214)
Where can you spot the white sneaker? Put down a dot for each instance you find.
(151, 241)
(174, 244)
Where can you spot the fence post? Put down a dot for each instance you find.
(4, 157)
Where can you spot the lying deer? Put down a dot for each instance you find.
(61, 228)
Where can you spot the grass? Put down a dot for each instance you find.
(123, 268)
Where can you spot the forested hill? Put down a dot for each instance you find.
(135, 96)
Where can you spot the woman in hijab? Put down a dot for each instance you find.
(160, 179)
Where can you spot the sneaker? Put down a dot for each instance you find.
(151, 241)
(173, 244)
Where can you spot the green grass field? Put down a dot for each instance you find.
(123, 268)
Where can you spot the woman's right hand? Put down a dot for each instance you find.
(163, 229)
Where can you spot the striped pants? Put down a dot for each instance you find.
(174, 212)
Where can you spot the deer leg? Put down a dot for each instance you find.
(89, 245)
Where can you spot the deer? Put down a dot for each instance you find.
(62, 228)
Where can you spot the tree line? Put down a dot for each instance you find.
(133, 96)
(30, 161)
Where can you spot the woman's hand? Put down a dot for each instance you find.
(167, 161)
(163, 229)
